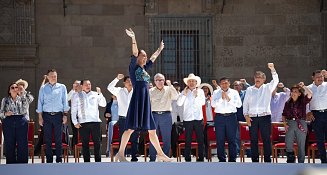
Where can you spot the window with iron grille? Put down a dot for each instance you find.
(188, 46)
(17, 22)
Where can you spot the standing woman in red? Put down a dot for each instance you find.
(139, 115)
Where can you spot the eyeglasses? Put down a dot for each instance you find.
(160, 80)
(14, 87)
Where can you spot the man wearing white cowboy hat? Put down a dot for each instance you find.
(193, 99)
(226, 101)
(22, 86)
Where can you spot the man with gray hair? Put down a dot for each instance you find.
(256, 109)
(161, 98)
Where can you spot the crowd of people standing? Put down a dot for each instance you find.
(166, 111)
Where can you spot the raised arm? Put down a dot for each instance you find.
(131, 34)
(157, 53)
(45, 78)
(307, 91)
(274, 82)
(101, 100)
(112, 85)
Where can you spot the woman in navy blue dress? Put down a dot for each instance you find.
(139, 115)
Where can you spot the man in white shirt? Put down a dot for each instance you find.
(85, 105)
(226, 101)
(192, 99)
(124, 95)
(177, 111)
(177, 119)
(76, 87)
(256, 110)
(161, 98)
(278, 101)
(318, 107)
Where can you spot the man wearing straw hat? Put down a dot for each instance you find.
(193, 99)
(22, 86)
(226, 101)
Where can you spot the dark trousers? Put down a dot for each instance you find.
(133, 139)
(177, 129)
(52, 123)
(15, 129)
(319, 126)
(92, 128)
(75, 133)
(226, 126)
(197, 125)
(40, 141)
(163, 124)
(262, 124)
(205, 137)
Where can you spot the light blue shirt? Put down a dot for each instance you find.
(52, 98)
(114, 111)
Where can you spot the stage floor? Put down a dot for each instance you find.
(141, 159)
(159, 168)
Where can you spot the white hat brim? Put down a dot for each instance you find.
(206, 85)
(198, 80)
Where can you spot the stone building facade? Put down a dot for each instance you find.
(212, 38)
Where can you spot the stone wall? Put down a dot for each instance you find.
(251, 33)
(324, 29)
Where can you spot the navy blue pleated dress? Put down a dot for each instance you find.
(139, 115)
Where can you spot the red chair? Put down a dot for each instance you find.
(31, 140)
(246, 141)
(278, 140)
(181, 145)
(79, 146)
(147, 144)
(212, 142)
(313, 147)
(65, 148)
(115, 142)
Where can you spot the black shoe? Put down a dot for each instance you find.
(134, 159)
(290, 157)
(200, 160)
(255, 159)
(187, 159)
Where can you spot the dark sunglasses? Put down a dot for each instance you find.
(14, 87)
